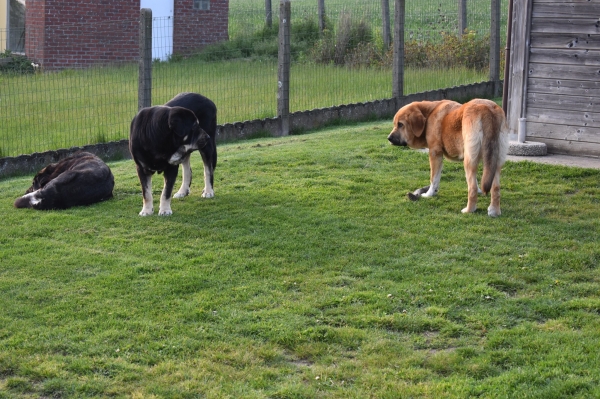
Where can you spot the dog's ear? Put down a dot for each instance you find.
(416, 122)
(182, 121)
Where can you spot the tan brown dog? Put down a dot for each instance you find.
(471, 132)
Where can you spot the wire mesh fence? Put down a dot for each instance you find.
(93, 101)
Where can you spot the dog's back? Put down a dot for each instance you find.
(81, 179)
(488, 137)
(206, 112)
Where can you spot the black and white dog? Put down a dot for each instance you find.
(206, 112)
(161, 138)
(81, 179)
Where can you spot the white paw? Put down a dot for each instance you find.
(146, 212)
(181, 194)
(429, 194)
(466, 210)
(494, 212)
(165, 212)
(208, 193)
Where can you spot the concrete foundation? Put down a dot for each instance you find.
(527, 148)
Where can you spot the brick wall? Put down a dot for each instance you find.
(80, 33)
(194, 29)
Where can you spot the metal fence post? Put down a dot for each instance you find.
(283, 83)
(321, 15)
(385, 16)
(462, 17)
(145, 61)
(268, 13)
(495, 46)
(398, 69)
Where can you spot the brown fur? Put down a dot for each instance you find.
(472, 132)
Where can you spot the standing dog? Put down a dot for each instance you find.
(206, 112)
(81, 179)
(473, 132)
(160, 138)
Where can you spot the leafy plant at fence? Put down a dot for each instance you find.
(336, 45)
(368, 55)
(263, 43)
(17, 64)
(468, 50)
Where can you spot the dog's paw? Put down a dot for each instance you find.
(467, 210)
(165, 212)
(413, 196)
(208, 193)
(181, 194)
(493, 212)
(146, 212)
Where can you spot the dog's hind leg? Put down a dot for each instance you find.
(209, 169)
(471, 175)
(494, 208)
(184, 190)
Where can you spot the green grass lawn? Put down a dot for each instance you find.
(309, 275)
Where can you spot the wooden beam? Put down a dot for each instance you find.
(518, 64)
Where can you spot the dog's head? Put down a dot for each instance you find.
(409, 127)
(185, 128)
(42, 178)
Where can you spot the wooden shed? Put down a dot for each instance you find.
(554, 74)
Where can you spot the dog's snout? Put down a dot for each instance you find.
(395, 140)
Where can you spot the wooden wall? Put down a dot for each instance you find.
(563, 76)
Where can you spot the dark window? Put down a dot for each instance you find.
(201, 4)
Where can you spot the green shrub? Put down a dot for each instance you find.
(334, 47)
(17, 64)
(468, 50)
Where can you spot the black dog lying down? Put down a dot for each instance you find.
(161, 138)
(81, 179)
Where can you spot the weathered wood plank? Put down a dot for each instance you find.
(561, 56)
(575, 103)
(565, 41)
(588, 25)
(583, 119)
(568, 1)
(564, 9)
(561, 71)
(562, 132)
(570, 147)
(518, 69)
(564, 87)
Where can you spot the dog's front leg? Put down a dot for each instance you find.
(436, 162)
(165, 197)
(146, 182)
(184, 190)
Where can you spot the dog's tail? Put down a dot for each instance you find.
(494, 147)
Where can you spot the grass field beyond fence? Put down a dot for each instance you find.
(78, 107)
(309, 275)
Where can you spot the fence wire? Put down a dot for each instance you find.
(93, 101)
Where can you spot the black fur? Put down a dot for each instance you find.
(157, 141)
(81, 179)
(206, 112)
